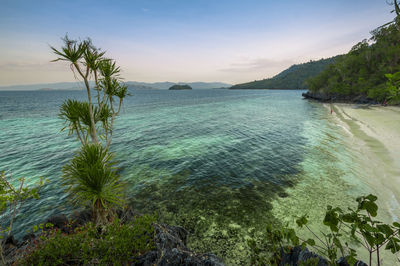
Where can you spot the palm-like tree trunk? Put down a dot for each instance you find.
(93, 131)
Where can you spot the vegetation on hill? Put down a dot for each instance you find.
(180, 87)
(371, 69)
(292, 78)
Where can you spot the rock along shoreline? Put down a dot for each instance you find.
(338, 98)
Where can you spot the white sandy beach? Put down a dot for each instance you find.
(375, 133)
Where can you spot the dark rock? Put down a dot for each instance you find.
(171, 249)
(127, 215)
(169, 237)
(10, 240)
(10, 246)
(147, 259)
(58, 221)
(28, 237)
(177, 256)
(335, 97)
(343, 262)
(79, 218)
(362, 99)
(317, 96)
(297, 254)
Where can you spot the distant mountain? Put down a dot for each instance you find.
(292, 78)
(132, 85)
(45, 86)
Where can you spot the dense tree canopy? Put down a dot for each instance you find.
(368, 69)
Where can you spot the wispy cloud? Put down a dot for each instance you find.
(24, 66)
(258, 64)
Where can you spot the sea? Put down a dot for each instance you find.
(221, 163)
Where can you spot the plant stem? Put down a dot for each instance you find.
(377, 255)
(15, 207)
(370, 257)
(316, 236)
(1, 254)
(93, 132)
(78, 133)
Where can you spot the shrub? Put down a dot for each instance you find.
(91, 179)
(14, 198)
(116, 244)
(358, 224)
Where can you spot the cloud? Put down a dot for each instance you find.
(259, 64)
(32, 66)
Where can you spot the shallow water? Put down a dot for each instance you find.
(218, 162)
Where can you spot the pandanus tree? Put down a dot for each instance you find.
(89, 64)
(91, 178)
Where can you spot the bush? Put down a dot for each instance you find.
(92, 180)
(115, 244)
(358, 224)
(14, 198)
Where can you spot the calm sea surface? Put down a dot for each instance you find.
(221, 163)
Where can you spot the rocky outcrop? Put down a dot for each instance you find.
(171, 250)
(170, 242)
(334, 97)
(298, 255)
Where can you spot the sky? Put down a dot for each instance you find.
(230, 41)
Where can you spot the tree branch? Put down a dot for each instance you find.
(93, 132)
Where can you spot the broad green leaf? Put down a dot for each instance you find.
(385, 229)
(371, 197)
(302, 221)
(370, 207)
(311, 242)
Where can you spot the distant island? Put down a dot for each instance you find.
(180, 87)
(293, 78)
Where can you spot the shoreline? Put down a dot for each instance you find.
(375, 134)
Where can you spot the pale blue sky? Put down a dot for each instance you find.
(174, 40)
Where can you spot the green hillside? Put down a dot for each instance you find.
(292, 78)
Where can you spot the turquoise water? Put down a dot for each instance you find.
(218, 162)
